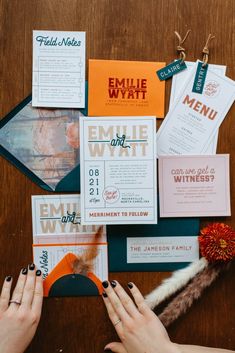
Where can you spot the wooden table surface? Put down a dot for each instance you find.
(125, 30)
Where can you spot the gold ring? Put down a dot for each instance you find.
(14, 302)
(117, 322)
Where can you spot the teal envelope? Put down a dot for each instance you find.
(166, 227)
(44, 144)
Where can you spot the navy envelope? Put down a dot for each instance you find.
(44, 145)
(117, 242)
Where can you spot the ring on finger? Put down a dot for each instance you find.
(117, 322)
(15, 302)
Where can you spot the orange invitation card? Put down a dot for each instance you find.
(125, 88)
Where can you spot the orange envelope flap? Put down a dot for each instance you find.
(125, 88)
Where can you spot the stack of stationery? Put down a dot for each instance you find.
(110, 157)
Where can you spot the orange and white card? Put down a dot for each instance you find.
(125, 88)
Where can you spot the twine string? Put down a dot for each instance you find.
(205, 50)
(179, 48)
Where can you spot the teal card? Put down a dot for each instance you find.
(171, 69)
(200, 78)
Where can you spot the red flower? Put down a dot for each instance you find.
(217, 242)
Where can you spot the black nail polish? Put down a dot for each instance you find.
(24, 271)
(113, 284)
(8, 278)
(105, 284)
(31, 267)
(38, 273)
(130, 285)
(107, 350)
(105, 295)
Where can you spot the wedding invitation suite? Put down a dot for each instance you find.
(191, 124)
(118, 164)
(58, 69)
(125, 88)
(72, 257)
(162, 249)
(194, 186)
(178, 82)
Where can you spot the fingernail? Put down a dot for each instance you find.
(130, 285)
(38, 273)
(105, 284)
(113, 284)
(105, 295)
(24, 271)
(31, 267)
(8, 278)
(107, 350)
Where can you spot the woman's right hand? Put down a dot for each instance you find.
(138, 328)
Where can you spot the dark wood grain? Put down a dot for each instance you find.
(128, 30)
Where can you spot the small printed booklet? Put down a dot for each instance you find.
(71, 256)
(58, 69)
(194, 186)
(118, 170)
(193, 121)
(178, 82)
(125, 88)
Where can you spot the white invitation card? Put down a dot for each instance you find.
(58, 69)
(118, 170)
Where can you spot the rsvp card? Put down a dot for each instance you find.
(191, 124)
(194, 186)
(118, 164)
(58, 69)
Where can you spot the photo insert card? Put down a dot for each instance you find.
(58, 69)
(194, 186)
(118, 170)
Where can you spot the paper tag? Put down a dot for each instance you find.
(171, 69)
(162, 249)
(200, 78)
(191, 124)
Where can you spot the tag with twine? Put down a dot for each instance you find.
(202, 69)
(177, 65)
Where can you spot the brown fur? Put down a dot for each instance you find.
(183, 301)
(85, 263)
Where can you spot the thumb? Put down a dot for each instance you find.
(115, 347)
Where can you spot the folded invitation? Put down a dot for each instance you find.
(72, 257)
(58, 69)
(118, 164)
(194, 186)
(191, 124)
(125, 88)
